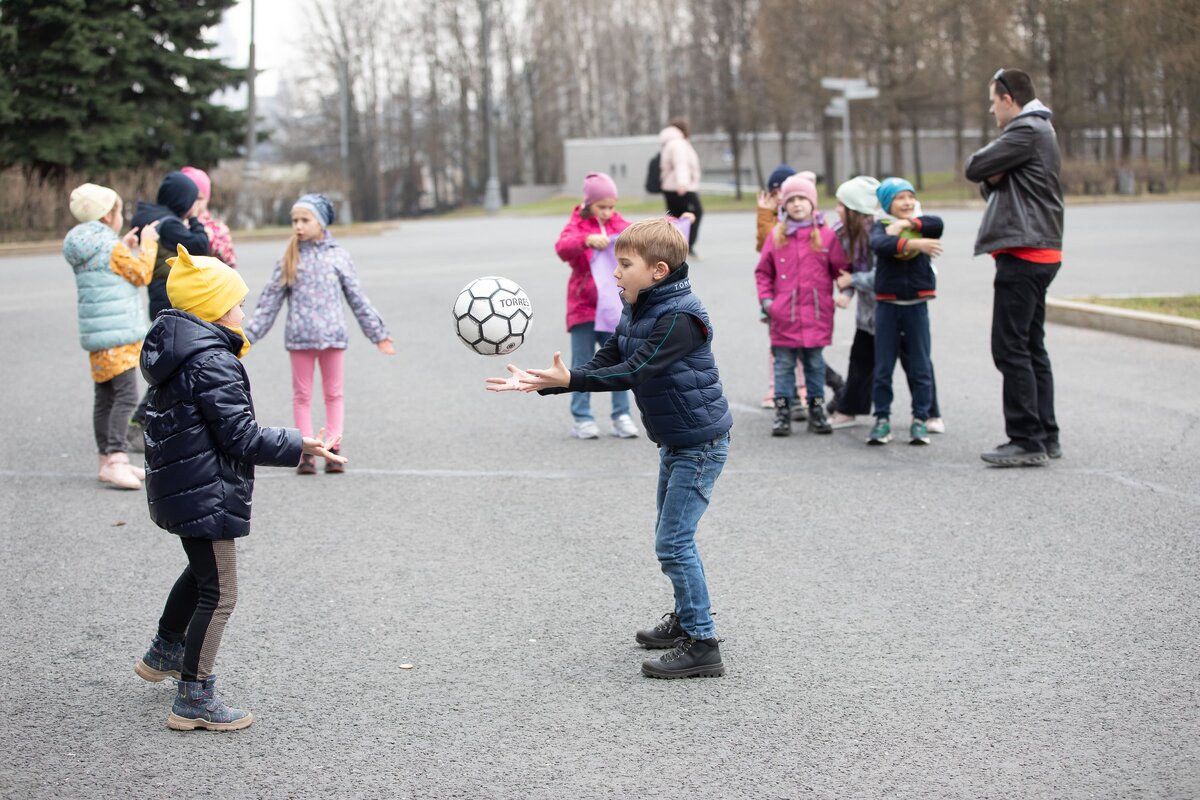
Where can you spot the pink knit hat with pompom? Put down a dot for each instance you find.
(201, 179)
(598, 186)
(798, 185)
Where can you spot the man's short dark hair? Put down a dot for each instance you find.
(1016, 84)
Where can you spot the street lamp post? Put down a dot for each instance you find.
(491, 192)
(851, 89)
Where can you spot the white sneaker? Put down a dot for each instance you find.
(935, 425)
(585, 429)
(623, 427)
(839, 421)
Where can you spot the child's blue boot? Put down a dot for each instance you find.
(163, 660)
(197, 706)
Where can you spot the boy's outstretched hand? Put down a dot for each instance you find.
(385, 347)
(557, 376)
(322, 448)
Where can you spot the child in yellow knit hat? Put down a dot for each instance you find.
(202, 444)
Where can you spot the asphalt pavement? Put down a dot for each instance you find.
(898, 621)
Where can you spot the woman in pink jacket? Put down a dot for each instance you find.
(679, 171)
(593, 300)
(795, 276)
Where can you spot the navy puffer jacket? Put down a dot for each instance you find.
(686, 405)
(202, 441)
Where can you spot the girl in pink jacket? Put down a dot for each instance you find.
(795, 276)
(593, 300)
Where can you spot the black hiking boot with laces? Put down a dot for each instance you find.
(689, 658)
(661, 635)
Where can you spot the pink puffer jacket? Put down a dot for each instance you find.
(581, 289)
(799, 280)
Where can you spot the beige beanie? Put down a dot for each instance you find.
(90, 202)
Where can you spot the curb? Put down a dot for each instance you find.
(260, 235)
(1125, 321)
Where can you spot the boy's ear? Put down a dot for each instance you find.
(661, 270)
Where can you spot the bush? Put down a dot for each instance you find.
(33, 209)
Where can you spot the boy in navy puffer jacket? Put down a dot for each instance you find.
(202, 443)
(662, 351)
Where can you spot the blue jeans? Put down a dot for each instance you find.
(686, 476)
(585, 341)
(892, 322)
(813, 359)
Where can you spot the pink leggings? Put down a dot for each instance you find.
(303, 364)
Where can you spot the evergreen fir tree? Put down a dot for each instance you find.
(101, 84)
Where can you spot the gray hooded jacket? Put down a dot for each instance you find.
(1025, 208)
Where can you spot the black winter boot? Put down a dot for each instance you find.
(662, 635)
(817, 421)
(782, 426)
(689, 658)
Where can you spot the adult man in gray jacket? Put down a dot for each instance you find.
(1022, 228)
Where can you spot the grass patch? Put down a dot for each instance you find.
(1187, 305)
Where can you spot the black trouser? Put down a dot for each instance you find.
(855, 399)
(159, 302)
(113, 403)
(200, 603)
(679, 204)
(1019, 349)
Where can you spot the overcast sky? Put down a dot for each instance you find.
(276, 35)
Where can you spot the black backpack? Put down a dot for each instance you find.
(654, 176)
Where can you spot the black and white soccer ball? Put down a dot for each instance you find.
(492, 316)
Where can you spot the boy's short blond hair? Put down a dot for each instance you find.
(654, 240)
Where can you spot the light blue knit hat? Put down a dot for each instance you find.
(888, 190)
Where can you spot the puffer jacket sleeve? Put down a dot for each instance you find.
(269, 303)
(368, 318)
(223, 399)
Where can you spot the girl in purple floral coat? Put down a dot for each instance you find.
(313, 275)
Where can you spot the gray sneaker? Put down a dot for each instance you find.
(1011, 454)
(623, 427)
(197, 706)
(163, 660)
(585, 429)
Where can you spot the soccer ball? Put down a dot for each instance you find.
(908, 255)
(492, 316)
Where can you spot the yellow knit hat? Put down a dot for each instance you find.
(90, 202)
(203, 286)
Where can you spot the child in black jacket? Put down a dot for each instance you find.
(904, 283)
(202, 443)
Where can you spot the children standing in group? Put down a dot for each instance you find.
(220, 242)
(795, 276)
(856, 212)
(313, 275)
(662, 351)
(174, 210)
(112, 320)
(593, 302)
(202, 444)
(904, 284)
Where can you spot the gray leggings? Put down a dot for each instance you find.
(115, 401)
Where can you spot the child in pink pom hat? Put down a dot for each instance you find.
(593, 300)
(220, 242)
